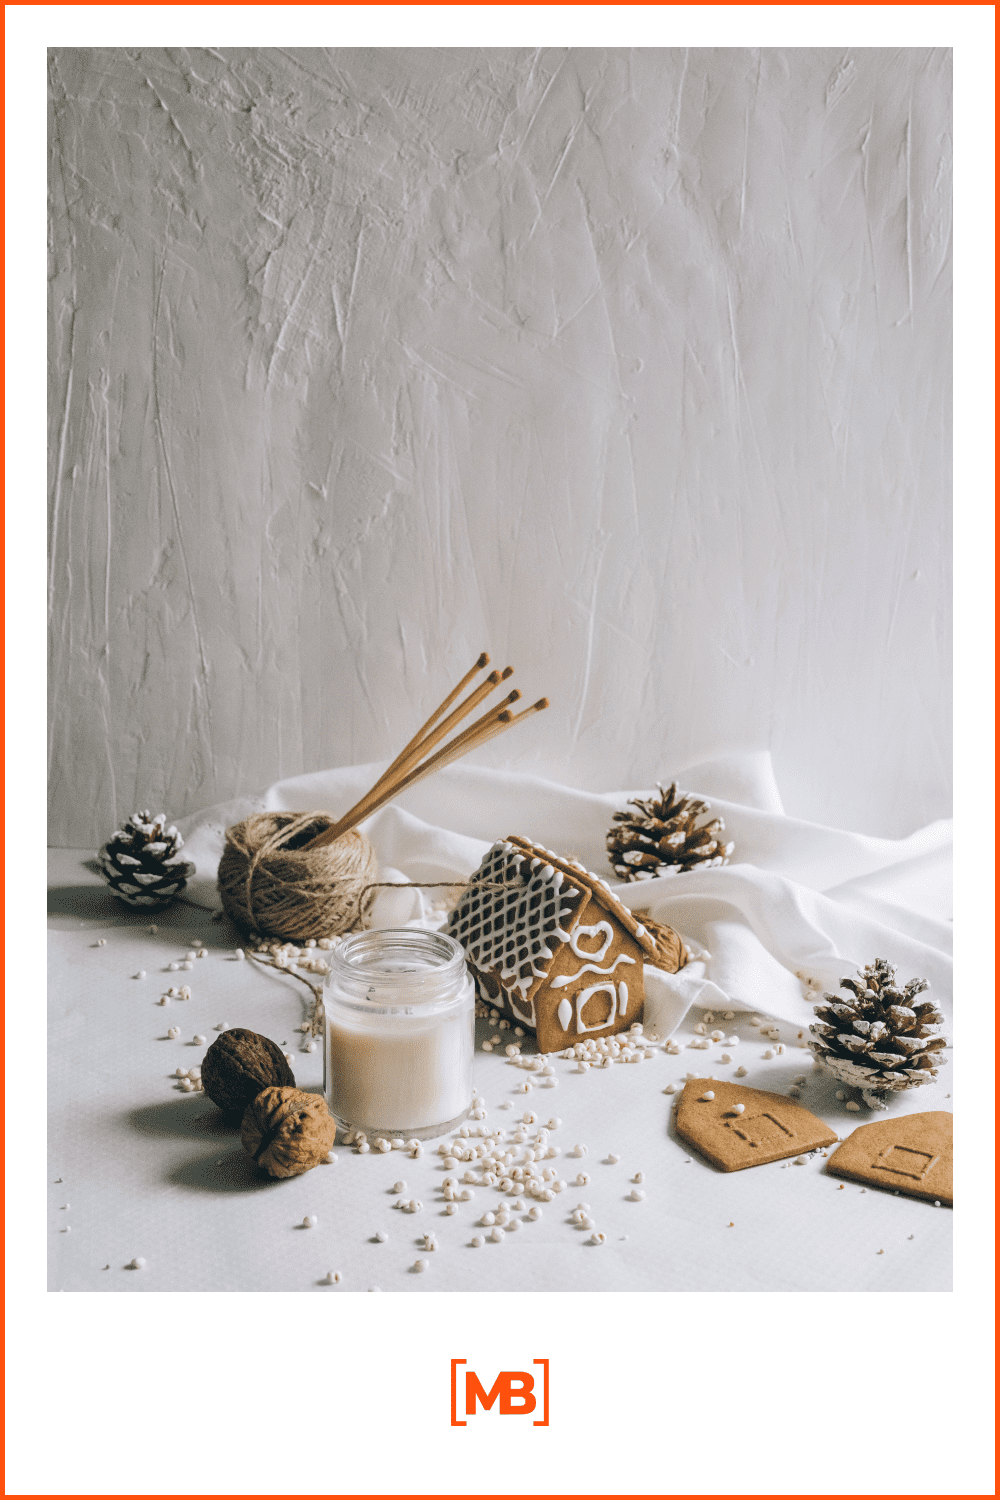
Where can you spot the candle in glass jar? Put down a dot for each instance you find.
(400, 1031)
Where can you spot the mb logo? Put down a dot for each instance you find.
(512, 1394)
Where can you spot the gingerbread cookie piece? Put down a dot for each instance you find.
(911, 1155)
(735, 1127)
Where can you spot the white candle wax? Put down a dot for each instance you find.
(400, 1073)
(399, 1033)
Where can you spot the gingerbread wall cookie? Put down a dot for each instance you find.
(911, 1155)
(735, 1127)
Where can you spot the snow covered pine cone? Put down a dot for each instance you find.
(663, 839)
(876, 1038)
(141, 862)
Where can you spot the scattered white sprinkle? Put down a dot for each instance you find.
(611, 1158)
(800, 1161)
(330, 1158)
(173, 1032)
(496, 1234)
(186, 965)
(709, 1094)
(740, 1073)
(309, 1222)
(199, 1041)
(238, 953)
(420, 1265)
(136, 1264)
(477, 1241)
(638, 1177)
(637, 1195)
(331, 1278)
(854, 1108)
(141, 974)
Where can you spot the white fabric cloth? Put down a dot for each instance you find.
(797, 899)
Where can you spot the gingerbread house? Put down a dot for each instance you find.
(549, 944)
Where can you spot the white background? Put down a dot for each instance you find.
(630, 365)
(158, 1395)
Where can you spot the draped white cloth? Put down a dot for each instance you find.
(797, 899)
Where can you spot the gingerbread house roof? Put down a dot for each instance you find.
(514, 908)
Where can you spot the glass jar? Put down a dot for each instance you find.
(400, 1033)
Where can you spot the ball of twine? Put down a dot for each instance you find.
(270, 884)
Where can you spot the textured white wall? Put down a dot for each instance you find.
(630, 366)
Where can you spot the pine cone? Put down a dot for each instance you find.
(876, 1038)
(663, 838)
(141, 862)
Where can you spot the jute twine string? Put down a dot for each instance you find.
(267, 959)
(269, 885)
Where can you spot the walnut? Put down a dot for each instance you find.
(287, 1131)
(238, 1065)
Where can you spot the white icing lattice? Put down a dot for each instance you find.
(511, 917)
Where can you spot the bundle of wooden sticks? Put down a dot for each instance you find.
(415, 761)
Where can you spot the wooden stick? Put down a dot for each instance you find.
(483, 661)
(462, 743)
(406, 762)
(486, 728)
(385, 789)
(417, 747)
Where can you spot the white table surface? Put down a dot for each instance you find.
(149, 1171)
